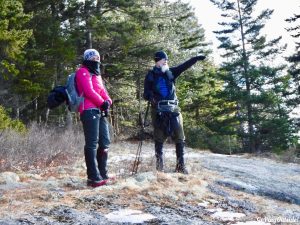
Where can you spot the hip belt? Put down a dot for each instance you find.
(167, 105)
(168, 102)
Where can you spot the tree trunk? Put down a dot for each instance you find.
(87, 12)
(89, 39)
(248, 86)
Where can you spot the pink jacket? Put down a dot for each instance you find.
(93, 90)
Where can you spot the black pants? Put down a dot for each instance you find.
(96, 132)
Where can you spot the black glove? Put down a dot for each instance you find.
(105, 105)
(200, 57)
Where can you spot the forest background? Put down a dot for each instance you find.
(242, 105)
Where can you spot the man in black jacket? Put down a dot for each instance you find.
(159, 89)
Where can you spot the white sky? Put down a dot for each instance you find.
(209, 16)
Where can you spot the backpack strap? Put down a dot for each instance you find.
(170, 75)
(151, 75)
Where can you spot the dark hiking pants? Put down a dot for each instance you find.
(96, 132)
(160, 134)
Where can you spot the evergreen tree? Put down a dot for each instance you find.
(197, 91)
(126, 33)
(255, 85)
(13, 37)
(294, 68)
(13, 34)
(50, 56)
(294, 59)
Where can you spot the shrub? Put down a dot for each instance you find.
(7, 123)
(39, 147)
(204, 139)
(196, 138)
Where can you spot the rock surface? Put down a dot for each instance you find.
(257, 176)
(239, 190)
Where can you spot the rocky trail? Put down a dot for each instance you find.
(220, 189)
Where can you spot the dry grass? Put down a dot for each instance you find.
(292, 155)
(40, 147)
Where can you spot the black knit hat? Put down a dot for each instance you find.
(160, 55)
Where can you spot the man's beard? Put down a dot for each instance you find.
(164, 68)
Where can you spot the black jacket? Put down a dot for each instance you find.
(156, 78)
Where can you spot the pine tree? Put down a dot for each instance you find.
(50, 56)
(294, 59)
(13, 37)
(13, 34)
(255, 85)
(294, 68)
(126, 33)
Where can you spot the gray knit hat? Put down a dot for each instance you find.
(92, 55)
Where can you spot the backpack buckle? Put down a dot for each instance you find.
(167, 105)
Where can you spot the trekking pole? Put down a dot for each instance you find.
(137, 160)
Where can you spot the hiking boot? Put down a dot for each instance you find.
(102, 155)
(98, 183)
(181, 169)
(180, 165)
(159, 156)
(159, 164)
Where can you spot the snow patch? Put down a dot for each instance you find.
(214, 210)
(203, 204)
(227, 216)
(129, 216)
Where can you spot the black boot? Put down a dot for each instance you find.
(159, 156)
(102, 162)
(180, 166)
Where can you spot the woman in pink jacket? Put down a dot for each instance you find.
(95, 124)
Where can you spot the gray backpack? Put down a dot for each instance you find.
(74, 99)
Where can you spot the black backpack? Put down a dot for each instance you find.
(56, 97)
(67, 94)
